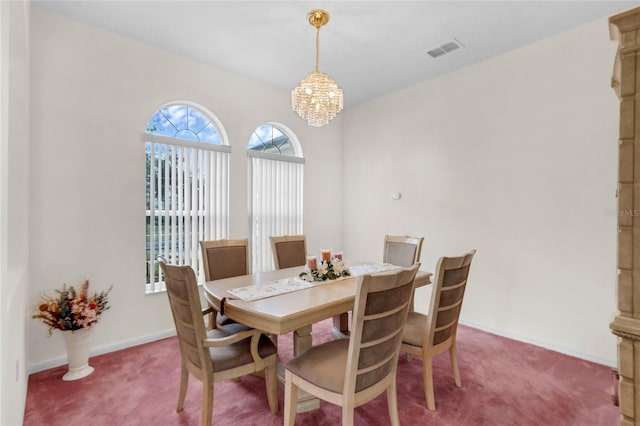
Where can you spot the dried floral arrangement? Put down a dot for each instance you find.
(72, 310)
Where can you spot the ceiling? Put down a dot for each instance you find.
(370, 48)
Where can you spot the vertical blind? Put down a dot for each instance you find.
(187, 201)
(275, 204)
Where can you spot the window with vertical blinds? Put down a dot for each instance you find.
(276, 170)
(187, 190)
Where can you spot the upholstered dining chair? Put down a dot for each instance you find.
(429, 335)
(224, 353)
(224, 259)
(402, 250)
(289, 250)
(350, 372)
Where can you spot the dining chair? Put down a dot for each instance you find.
(224, 259)
(289, 250)
(350, 372)
(227, 352)
(435, 333)
(402, 250)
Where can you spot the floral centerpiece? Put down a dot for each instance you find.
(71, 310)
(329, 268)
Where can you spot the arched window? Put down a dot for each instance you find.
(187, 195)
(268, 138)
(275, 190)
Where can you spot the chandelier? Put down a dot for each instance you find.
(317, 98)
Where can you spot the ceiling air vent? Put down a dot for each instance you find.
(449, 46)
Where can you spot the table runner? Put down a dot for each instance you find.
(288, 285)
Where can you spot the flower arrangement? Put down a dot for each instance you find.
(329, 268)
(72, 310)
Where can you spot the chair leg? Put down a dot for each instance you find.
(290, 399)
(340, 326)
(347, 415)
(271, 379)
(212, 318)
(392, 402)
(428, 383)
(184, 380)
(207, 402)
(454, 365)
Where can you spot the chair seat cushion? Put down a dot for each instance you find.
(237, 354)
(223, 320)
(415, 329)
(323, 365)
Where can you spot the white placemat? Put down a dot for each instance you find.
(273, 288)
(370, 268)
(288, 285)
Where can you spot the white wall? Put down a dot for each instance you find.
(92, 94)
(14, 207)
(515, 157)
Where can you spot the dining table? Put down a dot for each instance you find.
(293, 311)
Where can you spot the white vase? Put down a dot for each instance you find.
(78, 345)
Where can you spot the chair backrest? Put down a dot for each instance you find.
(402, 250)
(225, 258)
(289, 251)
(184, 299)
(379, 314)
(446, 298)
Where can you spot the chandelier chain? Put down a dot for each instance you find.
(317, 49)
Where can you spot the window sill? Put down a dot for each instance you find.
(158, 288)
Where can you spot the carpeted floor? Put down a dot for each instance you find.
(504, 382)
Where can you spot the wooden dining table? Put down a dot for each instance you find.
(289, 312)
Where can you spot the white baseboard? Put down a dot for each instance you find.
(608, 362)
(55, 362)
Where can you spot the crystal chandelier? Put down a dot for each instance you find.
(317, 98)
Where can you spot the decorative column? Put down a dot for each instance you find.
(625, 28)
